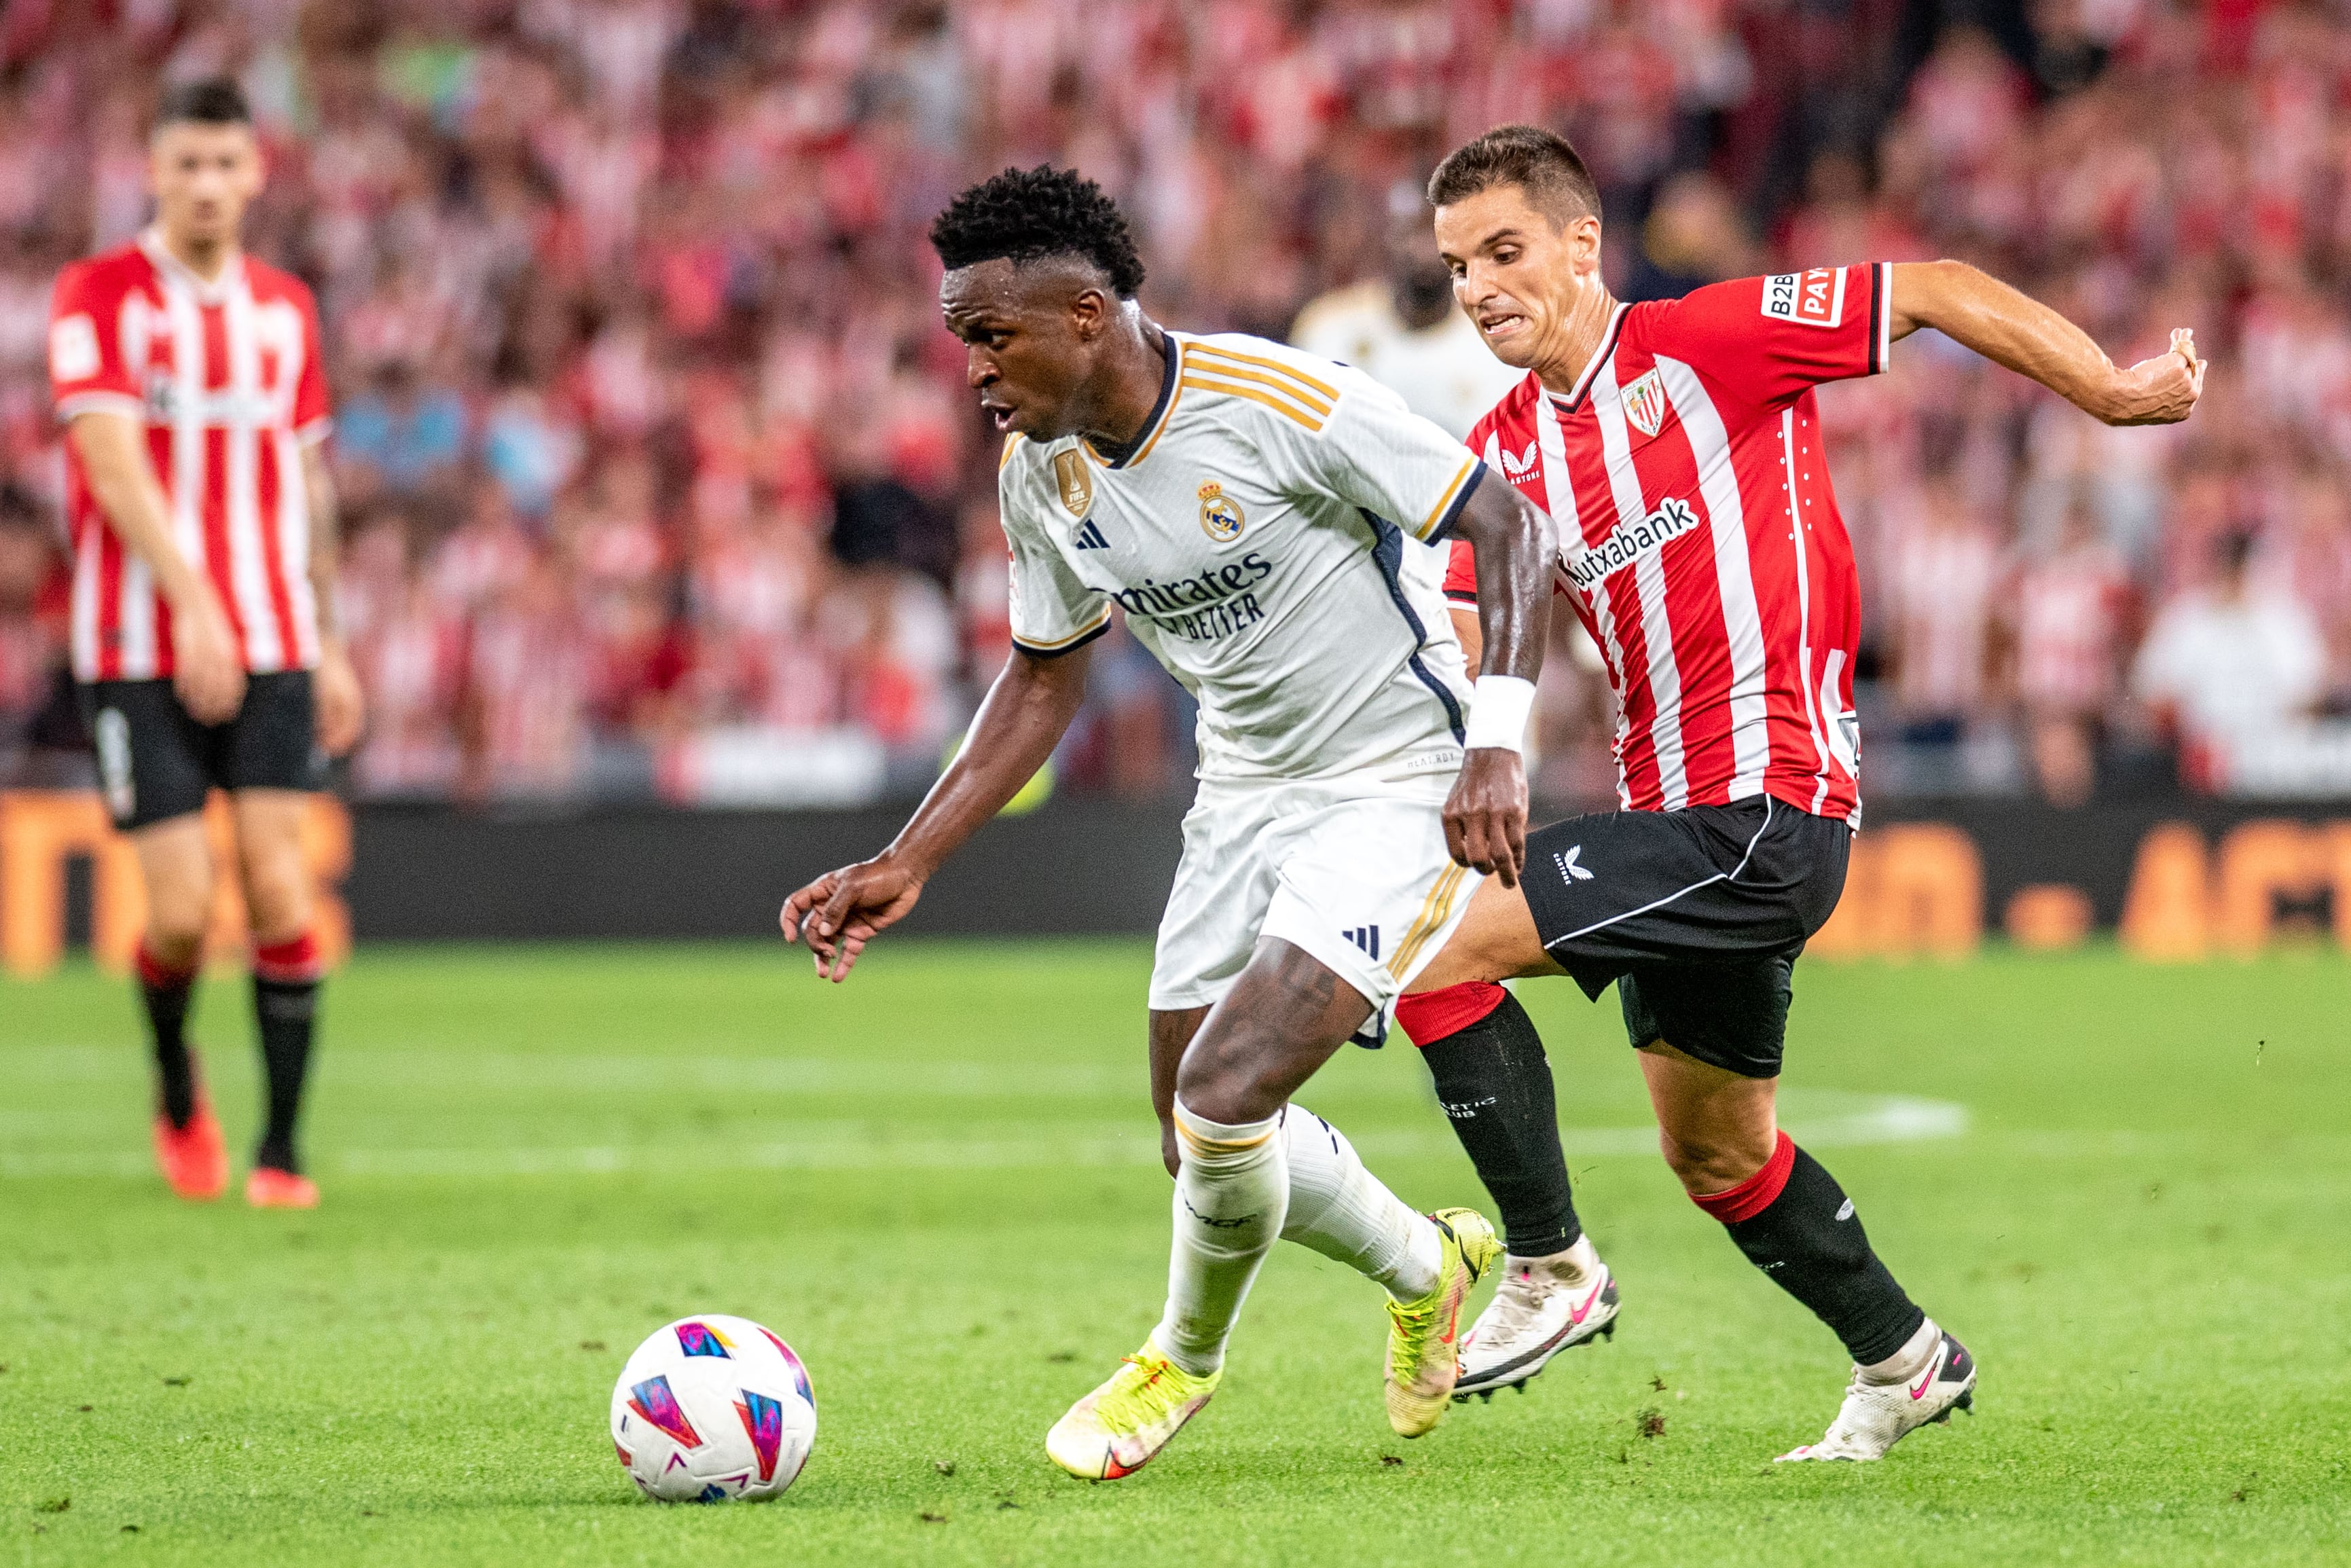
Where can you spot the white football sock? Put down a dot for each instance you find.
(1230, 1195)
(1909, 1360)
(1573, 1268)
(1345, 1213)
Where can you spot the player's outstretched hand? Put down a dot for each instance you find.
(335, 693)
(842, 910)
(1486, 815)
(207, 667)
(2163, 390)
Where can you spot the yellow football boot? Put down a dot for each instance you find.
(1424, 1357)
(1116, 1429)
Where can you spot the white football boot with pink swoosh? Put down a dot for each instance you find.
(1876, 1416)
(1543, 1306)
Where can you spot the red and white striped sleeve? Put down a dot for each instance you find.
(313, 410)
(1764, 341)
(87, 370)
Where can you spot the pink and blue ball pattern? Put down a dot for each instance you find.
(654, 1402)
(799, 1373)
(701, 1339)
(763, 1420)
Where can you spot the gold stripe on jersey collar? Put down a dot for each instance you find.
(1162, 414)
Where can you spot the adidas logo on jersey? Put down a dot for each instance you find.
(1090, 537)
(1570, 867)
(1367, 937)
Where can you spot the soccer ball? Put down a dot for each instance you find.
(713, 1408)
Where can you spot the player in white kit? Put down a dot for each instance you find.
(1261, 517)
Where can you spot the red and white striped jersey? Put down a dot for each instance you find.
(226, 375)
(1700, 539)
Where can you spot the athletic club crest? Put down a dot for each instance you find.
(1644, 403)
(1077, 485)
(1219, 518)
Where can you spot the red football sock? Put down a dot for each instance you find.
(1434, 1015)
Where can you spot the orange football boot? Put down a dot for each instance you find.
(194, 1158)
(270, 1189)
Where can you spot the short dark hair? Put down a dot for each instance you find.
(1539, 163)
(207, 101)
(1025, 214)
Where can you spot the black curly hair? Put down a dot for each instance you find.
(1022, 215)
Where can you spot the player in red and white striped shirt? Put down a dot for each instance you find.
(1675, 445)
(203, 618)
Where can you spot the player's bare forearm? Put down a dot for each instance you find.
(1170, 1033)
(1025, 713)
(1486, 816)
(342, 709)
(1013, 735)
(114, 459)
(208, 668)
(1512, 543)
(2013, 329)
(326, 537)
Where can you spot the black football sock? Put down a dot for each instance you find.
(1794, 1223)
(167, 992)
(1495, 1084)
(286, 1006)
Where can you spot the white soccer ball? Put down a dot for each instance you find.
(712, 1408)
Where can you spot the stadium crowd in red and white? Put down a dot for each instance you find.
(660, 477)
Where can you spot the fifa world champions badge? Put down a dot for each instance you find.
(1220, 518)
(1077, 486)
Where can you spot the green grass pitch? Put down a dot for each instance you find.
(2124, 1187)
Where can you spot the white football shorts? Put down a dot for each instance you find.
(1353, 871)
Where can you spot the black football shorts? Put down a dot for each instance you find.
(1697, 916)
(155, 762)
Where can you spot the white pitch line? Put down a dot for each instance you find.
(1863, 1119)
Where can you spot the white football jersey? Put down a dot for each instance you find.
(1267, 539)
(1444, 372)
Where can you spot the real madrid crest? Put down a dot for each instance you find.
(1220, 520)
(1077, 485)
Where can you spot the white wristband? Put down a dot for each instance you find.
(1498, 713)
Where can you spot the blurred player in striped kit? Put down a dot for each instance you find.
(203, 623)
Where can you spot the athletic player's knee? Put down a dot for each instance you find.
(179, 910)
(276, 891)
(172, 945)
(278, 906)
(1710, 1160)
(1217, 1086)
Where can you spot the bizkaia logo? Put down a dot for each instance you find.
(1814, 299)
(1627, 542)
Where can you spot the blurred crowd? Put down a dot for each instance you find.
(661, 478)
